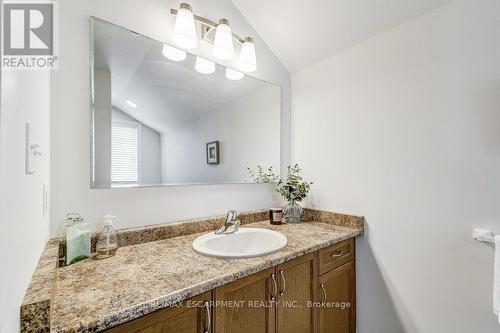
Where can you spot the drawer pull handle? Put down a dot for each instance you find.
(336, 254)
(323, 299)
(209, 321)
(284, 283)
(275, 287)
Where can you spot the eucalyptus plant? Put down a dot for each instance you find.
(293, 188)
(263, 176)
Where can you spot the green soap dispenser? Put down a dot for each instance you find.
(108, 242)
(77, 235)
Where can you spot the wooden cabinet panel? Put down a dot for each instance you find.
(335, 256)
(297, 286)
(335, 289)
(255, 314)
(181, 319)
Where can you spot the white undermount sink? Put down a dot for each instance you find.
(244, 243)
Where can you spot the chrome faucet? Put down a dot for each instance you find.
(231, 224)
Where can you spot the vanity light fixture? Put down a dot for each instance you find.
(204, 66)
(223, 42)
(173, 53)
(222, 39)
(184, 28)
(247, 61)
(130, 103)
(231, 74)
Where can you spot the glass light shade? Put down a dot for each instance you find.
(173, 53)
(204, 66)
(131, 103)
(247, 61)
(184, 28)
(231, 74)
(223, 43)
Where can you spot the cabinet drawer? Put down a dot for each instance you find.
(335, 255)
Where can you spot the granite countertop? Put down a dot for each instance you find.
(93, 295)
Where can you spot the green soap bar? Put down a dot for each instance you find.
(77, 243)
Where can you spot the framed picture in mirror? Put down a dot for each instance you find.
(213, 152)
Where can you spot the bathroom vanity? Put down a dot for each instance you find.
(273, 300)
(157, 283)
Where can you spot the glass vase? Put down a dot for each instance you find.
(292, 212)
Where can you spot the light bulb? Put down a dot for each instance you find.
(204, 66)
(184, 28)
(223, 43)
(173, 53)
(247, 61)
(131, 103)
(231, 74)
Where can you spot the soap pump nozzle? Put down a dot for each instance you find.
(108, 220)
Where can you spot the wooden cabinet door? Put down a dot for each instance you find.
(246, 305)
(191, 316)
(337, 290)
(297, 288)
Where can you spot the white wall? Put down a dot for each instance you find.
(149, 149)
(248, 131)
(71, 117)
(405, 129)
(24, 98)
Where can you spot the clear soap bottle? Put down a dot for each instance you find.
(108, 244)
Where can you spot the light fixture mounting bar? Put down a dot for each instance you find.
(208, 23)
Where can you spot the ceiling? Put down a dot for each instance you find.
(302, 33)
(167, 93)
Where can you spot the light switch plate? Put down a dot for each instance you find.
(32, 151)
(30, 154)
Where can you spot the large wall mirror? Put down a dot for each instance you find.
(159, 122)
